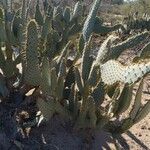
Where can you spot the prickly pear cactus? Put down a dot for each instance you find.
(3, 89)
(113, 71)
(77, 12)
(38, 14)
(2, 26)
(66, 14)
(90, 21)
(76, 89)
(46, 77)
(136, 22)
(2, 58)
(104, 50)
(131, 42)
(32, 72)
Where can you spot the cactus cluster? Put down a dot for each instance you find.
(135, 22)
(74, 90)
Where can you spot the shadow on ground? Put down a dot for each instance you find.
(56, 135)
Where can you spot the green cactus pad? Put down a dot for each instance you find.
(145, 52)
(3, 89)
(38, 15)
(46, 107)
(116, 50)
(2, 26)
(104, 50)
(79, 80)
(113, 71)
(87, 61)
(77, 12)
(137, 102)
(143, 112)
(125, 99)
(32, 72)
(66, 14)
(46, 77)
(90, 21)
(99, 93)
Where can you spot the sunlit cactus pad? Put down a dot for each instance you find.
(113, 71)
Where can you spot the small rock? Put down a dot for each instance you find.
(143, 127)
(140, 135)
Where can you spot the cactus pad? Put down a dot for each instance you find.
(32, 72)
(113, 71)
